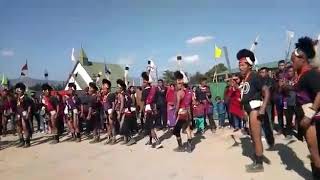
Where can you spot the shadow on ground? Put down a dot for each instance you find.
(291, 161)
(7, 144)
(247, 150)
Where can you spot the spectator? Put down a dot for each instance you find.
(171, 99)
(36, 110)
(235, 108)
(289, 101)
(270, 83)
(277, 96)
(227, 93)
(161, 121)
(221, 110)
(203, 94)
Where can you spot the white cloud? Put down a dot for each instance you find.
(126, 60)
(199, 40)
(7, 52)
(191, 59)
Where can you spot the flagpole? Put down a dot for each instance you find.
(289, 46)
(215, 67)
(28, 68)
(157, 74)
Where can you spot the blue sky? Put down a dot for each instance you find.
(132, 31)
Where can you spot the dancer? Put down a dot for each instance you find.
(149, 109)
(125, 115)
(255, 97)
(51, 106)
(308, 97)
(6, 110)
(133, 108)
(94, 112)
(24, 105)
(72, 112)
(183, 112)
(108, 104)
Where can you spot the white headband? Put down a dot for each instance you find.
(249, 61)
(185, 78)
(296, 53)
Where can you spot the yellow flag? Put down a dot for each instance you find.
(217, 52)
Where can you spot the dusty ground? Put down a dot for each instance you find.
(215, 156)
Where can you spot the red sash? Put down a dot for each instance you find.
(150, 97)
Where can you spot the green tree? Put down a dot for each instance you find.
(219, 68)
(168, 76)
(195, 79)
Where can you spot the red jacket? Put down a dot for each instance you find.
(235, 106)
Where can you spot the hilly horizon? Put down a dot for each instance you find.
(29, 82)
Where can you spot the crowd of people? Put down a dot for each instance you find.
(250, 103)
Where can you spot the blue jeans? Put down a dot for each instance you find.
(221, 118)
(236, 121)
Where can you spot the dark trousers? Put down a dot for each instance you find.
(211, 121)
(229, 116)
(37, 117)
(133, 123)
(96, 124)
(128, 125)
(181, 124)
(161, 120)
(60, 125)
(237, 121)
(125, 125)
(150, 123)
(266, 126)
(289, 112)
(280, 117)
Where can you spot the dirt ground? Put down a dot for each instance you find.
(216, 156)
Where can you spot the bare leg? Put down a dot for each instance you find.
(54, 129)
(26, 131)
(19, 131)
(312, 142)
(4, 125)
(255, 127)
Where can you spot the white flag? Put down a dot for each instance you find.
(316, 60)
(151, 66)
(317, 48)
(73, 58)
(126, 73)
(254, 44)
(290, 34)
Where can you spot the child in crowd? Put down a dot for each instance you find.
(221, 110)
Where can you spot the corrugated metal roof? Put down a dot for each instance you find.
(95, 68)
